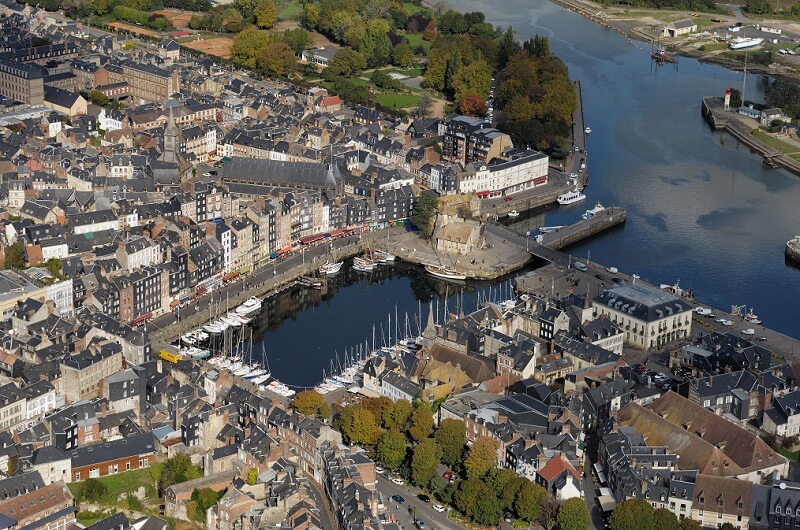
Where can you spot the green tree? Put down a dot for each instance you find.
(424, 213)
(392, 448)
(247, 45)
(93, 490)
(508, 47)
(427, 455)
(509, 492)
(478, 502)
(402, 55)
(348, 61)
(454, 65)
(633, 514)
(690, 524)
(666, 520)
(358, 426)
(436, 68)
(310, 16)
(232, 21)
(726, 526)
(53, 266)
(15, 256)
(277, 58)
(452, 23)
(100, 7)
(475, 78)
(379, 407)
(759, 7)
(548, 511)
(574, 515)
(497, 478)
(397, 416)
(451, 437)
(266, 13)
(204, 499)
(245, 7)
(311, 403)
(252, 476)
(537, 47)
(527, 504)
(176, 470)
(421, 423)
(297, 39)
(482, 457)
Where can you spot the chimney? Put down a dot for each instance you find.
(644, 487)
(374, 506)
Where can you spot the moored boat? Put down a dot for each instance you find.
(570, 197)
(513, 214)
(383, 257)
(363, 264)
(588, 214)
(331, 268)
(793, 249)
(445, 273)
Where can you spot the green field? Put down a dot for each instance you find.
(398, 101)
(291, 11)
(415, 39)
(775, 143)
(715, 47)
(412, 8)
(123, 482)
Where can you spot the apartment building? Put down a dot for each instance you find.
(21, 82)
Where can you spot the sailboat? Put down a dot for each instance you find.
(445, 272)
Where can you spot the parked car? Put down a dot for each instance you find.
(397, 481)
(423, 497)
(398, 499)
(419, 523)
(438, 507)
(507, 198)
(762, 338)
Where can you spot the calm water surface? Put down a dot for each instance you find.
(701, 208)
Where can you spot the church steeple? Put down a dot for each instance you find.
(429, 333)
(171, 132)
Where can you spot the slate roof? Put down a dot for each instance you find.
(642, 302)
(275, 171)
(139, 444)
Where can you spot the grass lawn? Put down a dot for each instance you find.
(399, 101)
(291, 11)
(714, 47)
(121, 482)
(775, 143)
(791, 455)
(412, 8)
(415, 39)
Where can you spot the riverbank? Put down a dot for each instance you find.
(742, 128)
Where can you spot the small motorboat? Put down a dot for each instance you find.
(588, 130)
(513, 214)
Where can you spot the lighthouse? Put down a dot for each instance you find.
(728, 93)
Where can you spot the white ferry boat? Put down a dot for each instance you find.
(570, 197)
(740, 43)
(588, 214)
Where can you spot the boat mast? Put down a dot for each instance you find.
(744, 79)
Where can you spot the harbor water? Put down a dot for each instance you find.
(702, 209)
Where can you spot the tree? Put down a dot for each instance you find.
(358, 426)
(475, 500)
(15, 256)
(310, 15)
(379, 407)
(508, 47)
(53, 266)
(665, 520)
(482, 457)
(98, 98)
(348, 61)
(252, 476)
(497, 478)
(421, 423)
(232, 21)
(759, 7)
(100, 7)
(424, 104)
(266, 13)
(297, 39)
(427, 455)
(727, 526)
(527, 504)
(177, 469)
(402, 55)
(451, 437)
(93, 490)
(204, 498)
(310, 402)
(633, 514)
(397, 416)
(430, 32)
(471, 105)
(548, 511)
(247, 45)
(475, 78)
(574, 515)
(452, 23)
(509, 493)
(277, 58)
(690, 524)
(424, 212)
(392, 448)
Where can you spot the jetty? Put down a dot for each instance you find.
(570, 234)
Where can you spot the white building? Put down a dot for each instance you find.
(649, 317)
(527, 169)
(783, 419)
(61, 294)
(98, 221)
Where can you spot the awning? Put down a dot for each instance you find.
(482, 194)
(244, 270)
(201, 291)
(273, 255)
(312, 239)
(337, 233)
(185, 299)
(284, 250)
(230, 276)
(607, 503)
(142, 318)
(539, 181)
(174, 303)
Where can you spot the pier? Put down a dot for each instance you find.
(567, 235)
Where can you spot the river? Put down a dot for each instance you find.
(702, 209)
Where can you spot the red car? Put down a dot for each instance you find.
(447, 475)
(507, 198)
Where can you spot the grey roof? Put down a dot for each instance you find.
(642, 302)
(139, 444)
(48, 454)
(274, 171)
(60, 97)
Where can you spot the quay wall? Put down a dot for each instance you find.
(584, 228)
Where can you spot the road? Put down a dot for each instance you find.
(428, 515)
